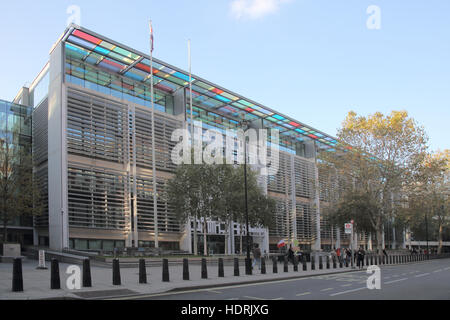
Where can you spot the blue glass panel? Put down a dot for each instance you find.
(278, 117)
(219, 97)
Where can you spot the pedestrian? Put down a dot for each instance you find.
(338, 254)
(256, 257)
(290, 254)
(361, 255)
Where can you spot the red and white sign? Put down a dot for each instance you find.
(348, 228)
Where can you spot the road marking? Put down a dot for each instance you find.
(348, 291)
(254, 298)
(232, 299)
(421, 275)
(346, 285)
(328, 289)
(396, 281)
(395, 276)
(303, 294)
(440, 270)
(213, 291)
(278, 299)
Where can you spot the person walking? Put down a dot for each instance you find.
(290, 254)
(256, 257)
(361, 255)
(338, 253)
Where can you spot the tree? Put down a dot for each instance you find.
(429, 195)
(377, 155)
(217, 192)
(19, 192)
(194, 193)
(261, 208)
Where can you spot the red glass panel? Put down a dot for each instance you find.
(218, 91)
(87, 37)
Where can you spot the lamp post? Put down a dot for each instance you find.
(248, 267)
(426, 233)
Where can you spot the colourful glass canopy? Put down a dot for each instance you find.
(116, 58)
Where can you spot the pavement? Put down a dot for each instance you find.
(37, 282)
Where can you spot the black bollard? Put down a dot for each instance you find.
(263, 265)
(165, 271)
(204, 269)
(367, 260)
(320, 263)
(116, 273)
(328, 262)
(305, 266)
(346, 262)
(185, 269)
(17, 280)
(236, 267)
(313, 263)
(87, 279)
(295, 264)
(142, 272)
(55, 282)
(371, 260)
(221, 273)
(334, 262)
(340, 263)
(391, 260)
(275, 265)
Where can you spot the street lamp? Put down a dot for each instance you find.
(426, 233)
(248, 268)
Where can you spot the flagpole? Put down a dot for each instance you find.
(155, 203)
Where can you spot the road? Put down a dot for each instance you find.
(428, 280)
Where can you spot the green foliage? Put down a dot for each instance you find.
(19, 192)
(217, 192)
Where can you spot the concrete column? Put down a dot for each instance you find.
(338, 237)
(369, 243)
(293, 199)
(57, 152)
(317, 244)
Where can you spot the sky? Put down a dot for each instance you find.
(313, 60)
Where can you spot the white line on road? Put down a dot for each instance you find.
(348, 291)
(346, 285)
(327, 289)
(254, 298)
(213, 291)
(396, 281)
(440, 270)
(303, 294)
(422, 275)
(278, 299)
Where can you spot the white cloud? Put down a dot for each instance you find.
(254, 9)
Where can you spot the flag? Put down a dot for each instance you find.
(151, 36)
(281, 244)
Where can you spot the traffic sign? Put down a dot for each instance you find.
(348, 228)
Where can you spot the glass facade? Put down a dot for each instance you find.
(15, 130)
